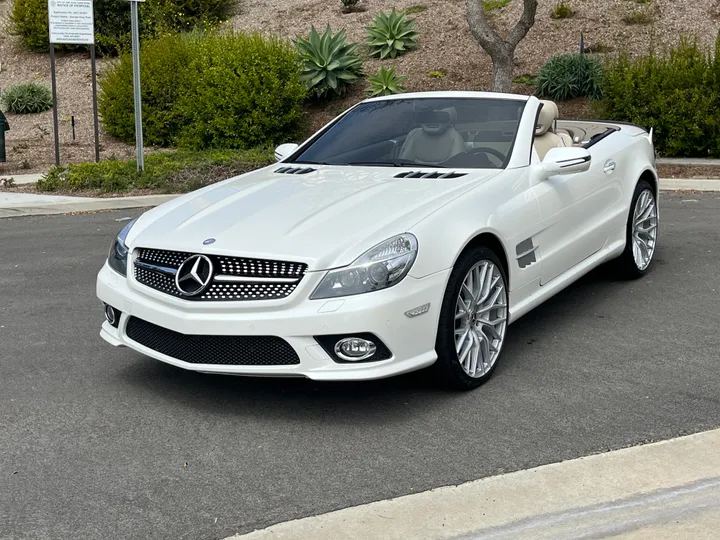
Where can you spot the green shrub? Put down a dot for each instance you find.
(562, 11)
(28, 19)
(386, 82)
(329, 64)
(638, 16)
(212, 90)
(349, 5)
(676, 93)
(165, 172)
(569, 76)
(391, 34)
(28, 98)
(492, 5)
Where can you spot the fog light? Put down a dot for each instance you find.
(112, 315)
(355, 349)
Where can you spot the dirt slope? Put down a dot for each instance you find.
(445, 45)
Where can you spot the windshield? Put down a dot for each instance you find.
(472, 133)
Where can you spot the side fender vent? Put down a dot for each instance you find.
(294, 170)
(434, 174)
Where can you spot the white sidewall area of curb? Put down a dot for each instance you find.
(656, 488)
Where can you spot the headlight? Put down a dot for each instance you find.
(381, 267)
(117, 258)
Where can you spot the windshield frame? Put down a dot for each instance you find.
(305, 146)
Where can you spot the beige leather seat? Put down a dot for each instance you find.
(545, 136)
(433, 143)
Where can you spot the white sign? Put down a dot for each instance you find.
(71, 21)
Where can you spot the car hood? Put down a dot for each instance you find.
(326, 218)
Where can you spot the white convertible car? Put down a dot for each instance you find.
(409, 232)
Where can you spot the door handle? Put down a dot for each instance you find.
(609, 166)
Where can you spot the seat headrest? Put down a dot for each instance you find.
(548, 114)
(453, 114)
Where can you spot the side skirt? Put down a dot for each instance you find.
(612, 249)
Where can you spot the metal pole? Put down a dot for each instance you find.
(56, 128)
(95, 103)
(136, 84)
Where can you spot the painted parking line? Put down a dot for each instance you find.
(660, 490)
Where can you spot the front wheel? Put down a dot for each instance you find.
(473, 320)
(641, 233)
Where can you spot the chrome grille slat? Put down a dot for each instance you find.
(257, 279)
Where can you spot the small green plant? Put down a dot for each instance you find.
(386, 82)
(391, 34)
(598, 48)
(329, 65)
(562, 10)
(528, 79)
(414, 9)
(492, 5)
(28, 98)
(436, 74)
(641, 1)
(25, 164)
(569, 76)
(638, 16)
(349, 5)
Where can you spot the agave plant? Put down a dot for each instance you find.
(386, 82)
(329, 64)
(391, 34)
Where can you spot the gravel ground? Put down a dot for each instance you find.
(445, 44)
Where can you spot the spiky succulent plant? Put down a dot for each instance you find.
(386, 82)
(391, 34)
(329, 64)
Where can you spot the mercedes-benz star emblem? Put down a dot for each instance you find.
(194, 275)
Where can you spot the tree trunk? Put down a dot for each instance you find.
(501, 51)
(502, 72)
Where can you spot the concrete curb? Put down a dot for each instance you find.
(117, 203)
(85, 205)
(22, 179)
(630, 493)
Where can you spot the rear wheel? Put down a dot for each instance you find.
(641, 233)
(473, 320)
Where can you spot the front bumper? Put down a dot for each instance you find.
(296, 319)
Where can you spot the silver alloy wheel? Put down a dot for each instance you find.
(480, 318)
(644, 229)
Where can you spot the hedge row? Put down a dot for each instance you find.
(165, 172)
(208, 90)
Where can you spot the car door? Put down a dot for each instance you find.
(574, 209)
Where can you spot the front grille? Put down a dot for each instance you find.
(263, 279)
(220, 350)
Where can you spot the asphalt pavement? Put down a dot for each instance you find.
(97, 442)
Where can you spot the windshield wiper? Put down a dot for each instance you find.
(391, 164)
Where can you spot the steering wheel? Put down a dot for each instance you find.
(491, 151)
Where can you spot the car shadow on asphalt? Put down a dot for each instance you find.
(384, 399)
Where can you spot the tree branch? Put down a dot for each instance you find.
(526, 21)
(480, 29)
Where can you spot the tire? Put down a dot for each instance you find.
(468, 370)
(636, 259)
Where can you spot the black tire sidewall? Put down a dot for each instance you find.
(447, 363)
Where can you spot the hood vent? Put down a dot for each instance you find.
(294, 170)
(434, 174)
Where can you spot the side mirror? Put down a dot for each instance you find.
(568, 160)
(285, 150)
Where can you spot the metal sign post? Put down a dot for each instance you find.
(71, 22)
(136, 82)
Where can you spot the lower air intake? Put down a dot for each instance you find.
(219, 350)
